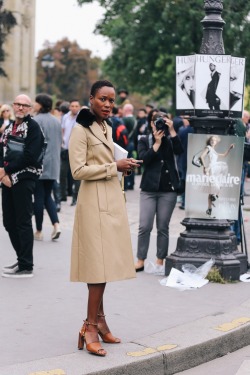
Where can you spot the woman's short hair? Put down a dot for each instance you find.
(45, 102)
(98, 85)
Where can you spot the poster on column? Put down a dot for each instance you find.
(237, 85)
(212, 77)
(185, 90)
(213, 177)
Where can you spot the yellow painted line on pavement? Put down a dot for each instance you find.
(166, 347)
(233, 324)
(50, 372)
(148, 351)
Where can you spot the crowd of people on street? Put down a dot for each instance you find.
(132, 129)
(49, 153)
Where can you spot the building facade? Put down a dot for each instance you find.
(20, 63)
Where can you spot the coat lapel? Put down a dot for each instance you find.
(97, 131)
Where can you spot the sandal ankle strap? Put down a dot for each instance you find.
(89, 323)
(101, 315)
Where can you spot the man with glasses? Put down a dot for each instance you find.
(18, 177)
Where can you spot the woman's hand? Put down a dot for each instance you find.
(170, 126)
(127, 165)
(206, 170)
(232, 146)
(158, 134)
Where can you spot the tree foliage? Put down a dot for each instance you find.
(147, 35)
(73, 73)
(7, 22)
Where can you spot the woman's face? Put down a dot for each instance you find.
(213, 141)
(6, 113)
(103, 102)
(188, 83)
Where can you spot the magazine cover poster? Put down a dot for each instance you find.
(212, 78)
(185, 90)
(237, 84)
(213, 177)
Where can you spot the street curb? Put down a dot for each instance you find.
(197, 342)
(168, 363)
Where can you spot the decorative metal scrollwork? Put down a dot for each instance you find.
(213, 4)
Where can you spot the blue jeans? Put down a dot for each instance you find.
(161, 205)
(43, 199)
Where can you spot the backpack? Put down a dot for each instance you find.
(120, 133)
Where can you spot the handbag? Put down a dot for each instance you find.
(196, 160)
(14, 147)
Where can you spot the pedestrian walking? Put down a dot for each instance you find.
(51, 166)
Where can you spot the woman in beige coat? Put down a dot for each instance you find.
(101, 245)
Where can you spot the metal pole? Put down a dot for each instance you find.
(206, 239)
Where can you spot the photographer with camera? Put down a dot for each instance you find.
(159, 185)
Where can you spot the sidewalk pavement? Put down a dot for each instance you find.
(163, 330)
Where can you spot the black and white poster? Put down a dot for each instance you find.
(237, 84)
(212, 78)
(185, 81)
(213, 177)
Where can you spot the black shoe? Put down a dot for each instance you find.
(213, 197)
(209, 211)
(182, 207)
(73, 202)
(64, 199)
(18, 274)
(140, 269)
(10, 267)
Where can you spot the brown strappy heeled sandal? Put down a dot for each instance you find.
(93, 345)
(105, 333)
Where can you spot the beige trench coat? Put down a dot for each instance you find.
(101, 244)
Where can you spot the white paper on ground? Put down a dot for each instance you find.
(245, 277)
(182, 281)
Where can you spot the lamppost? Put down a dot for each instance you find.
(205, 239)
(48, 64)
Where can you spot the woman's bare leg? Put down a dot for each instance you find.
(95, 298)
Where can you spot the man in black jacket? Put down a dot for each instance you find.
(18, 177)
(212, 99)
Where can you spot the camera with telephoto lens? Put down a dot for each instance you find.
(160, 124)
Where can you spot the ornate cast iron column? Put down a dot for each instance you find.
(205, 239)
(212, 41)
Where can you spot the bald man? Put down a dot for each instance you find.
(18, 176)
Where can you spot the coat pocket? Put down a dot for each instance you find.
(102, 196)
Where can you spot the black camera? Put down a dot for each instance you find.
(160, 124)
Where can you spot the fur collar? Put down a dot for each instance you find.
(86, 118)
